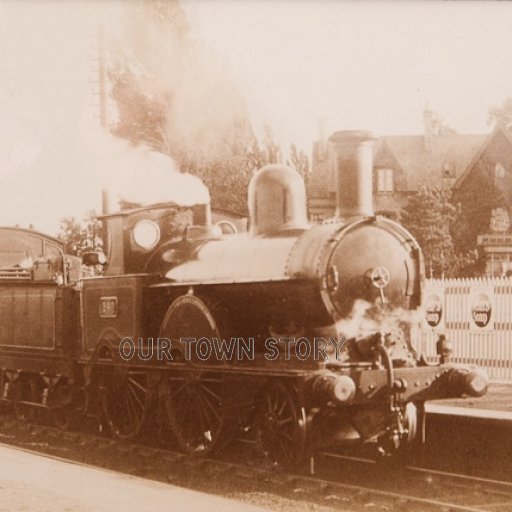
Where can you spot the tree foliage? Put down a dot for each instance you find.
(502, 115)
(481, 193)
(300, 161)
(174, 96)
(80, 237)
(431, 217)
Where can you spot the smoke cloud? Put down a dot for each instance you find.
(54, 156)
(171, 65)
(138, 174)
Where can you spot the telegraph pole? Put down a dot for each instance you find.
(98, 79)
(102, 77)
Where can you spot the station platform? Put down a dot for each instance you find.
(496, 404)
(35, 483)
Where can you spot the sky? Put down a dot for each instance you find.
(364, 65)
(357, 65)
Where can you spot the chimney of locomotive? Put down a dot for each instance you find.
(354, 165)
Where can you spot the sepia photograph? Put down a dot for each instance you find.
(255, 256)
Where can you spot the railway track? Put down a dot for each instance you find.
(340, 481)
(417, 485)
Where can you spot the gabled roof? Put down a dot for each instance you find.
(425, 167)
(498, 129)
(383, 156)
(419, 165)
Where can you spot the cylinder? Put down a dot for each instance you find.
(354, 172)
(329, 387)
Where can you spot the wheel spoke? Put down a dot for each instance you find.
(269, 403)
(125, 400)
(210, 406)
(287, 435)
(281, 409)
(179, 407)
(137, 399)
(129, 408)
(203, 414)
(193, 405)
(284, 421)
(186, 406)
(138, 385)
(178, 391)
(281, 435)
(283, 448)
(213, 394)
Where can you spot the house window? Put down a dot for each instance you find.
(385, 180)
(449, 170)
(499, 171)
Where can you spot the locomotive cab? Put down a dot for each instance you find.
(136, 239)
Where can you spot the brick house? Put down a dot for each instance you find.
(404, 163)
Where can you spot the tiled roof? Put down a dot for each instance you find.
(422, 166)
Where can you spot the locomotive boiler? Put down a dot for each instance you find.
(294, 333)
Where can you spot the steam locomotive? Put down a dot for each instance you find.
(294, 332)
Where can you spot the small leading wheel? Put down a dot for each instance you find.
(413, 418)
(125, 400)
(406, 433)
(281, 425)
(193, 404)
(410, 421)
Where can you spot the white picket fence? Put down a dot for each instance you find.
(476, 316)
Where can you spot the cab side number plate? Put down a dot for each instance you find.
(108, 307)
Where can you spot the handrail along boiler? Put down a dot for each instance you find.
(171, 275)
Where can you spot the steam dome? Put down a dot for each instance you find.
(277, 200)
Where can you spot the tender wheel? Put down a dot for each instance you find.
(27, 388)
(61, 417)
(281, 425)
(125, 400)
(65, 417)
(192, 401)
(63, 410)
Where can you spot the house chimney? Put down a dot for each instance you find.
(321, 134)
(320, 146)
(354, 172)
(105, 202)
(429, 123)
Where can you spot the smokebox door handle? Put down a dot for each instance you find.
(332, 278)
